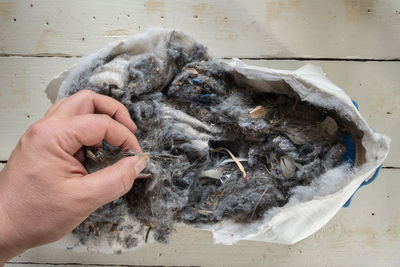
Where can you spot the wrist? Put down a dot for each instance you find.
(9, 247)
(8, 239)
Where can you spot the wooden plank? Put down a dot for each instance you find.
(22, 96)
(254, 28)
(375, 85)
(365, 234)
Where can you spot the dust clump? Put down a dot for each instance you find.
(217, 149)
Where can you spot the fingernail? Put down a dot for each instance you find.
(139, 165)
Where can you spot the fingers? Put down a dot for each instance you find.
(88, 102)
(80, 155)
(55, 106)
(112, 182)
(91, 129)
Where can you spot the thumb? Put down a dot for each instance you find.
(112, 182)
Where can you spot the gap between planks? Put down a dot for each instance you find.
(356, 59)
(89, 264)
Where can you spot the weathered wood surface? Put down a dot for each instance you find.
(365, 234)
(50, 35)
(373, 84)
(252, 28)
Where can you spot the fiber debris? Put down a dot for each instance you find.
(217, 149)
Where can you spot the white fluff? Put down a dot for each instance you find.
(185, 128)
(113, 73)
(183, 117)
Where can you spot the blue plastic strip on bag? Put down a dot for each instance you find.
(367, 182)
(350, 156)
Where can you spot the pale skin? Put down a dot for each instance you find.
(45, 191)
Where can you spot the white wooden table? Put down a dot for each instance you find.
(356, 42)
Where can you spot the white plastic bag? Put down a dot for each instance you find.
(310, 207)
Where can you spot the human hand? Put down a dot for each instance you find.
(45, 191)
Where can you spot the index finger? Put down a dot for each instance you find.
(90, 129)
(89, 102)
